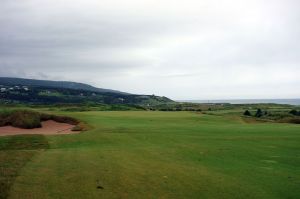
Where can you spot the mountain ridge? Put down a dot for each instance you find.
(14, 81)
(20, 90)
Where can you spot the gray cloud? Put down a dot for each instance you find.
(185, 50)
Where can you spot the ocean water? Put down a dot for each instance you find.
(249, 101)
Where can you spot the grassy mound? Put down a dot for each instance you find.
(293, 120)
(30, 119)
(269, 115)
(61, 119)
(21, 118)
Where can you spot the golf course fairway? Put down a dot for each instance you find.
(144, 154)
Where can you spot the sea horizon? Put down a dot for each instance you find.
(294, 101)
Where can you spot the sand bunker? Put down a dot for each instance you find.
(49, 127)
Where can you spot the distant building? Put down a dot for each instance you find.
(2, 89)
(25, 88)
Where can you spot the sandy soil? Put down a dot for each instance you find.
(49, 127)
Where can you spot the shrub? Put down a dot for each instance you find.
(295, 112)
(259, 113)
(247, 113)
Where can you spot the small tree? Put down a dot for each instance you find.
(259, 113)
(247, 113)
(294, 112)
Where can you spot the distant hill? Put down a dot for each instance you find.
(19, 90)
(55, 84)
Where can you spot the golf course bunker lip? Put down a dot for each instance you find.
(49, 127)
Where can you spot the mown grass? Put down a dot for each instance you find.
(15, 152)
(166, 155)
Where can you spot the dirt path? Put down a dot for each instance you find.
(49, 127)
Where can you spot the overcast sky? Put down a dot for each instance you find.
(183, 49)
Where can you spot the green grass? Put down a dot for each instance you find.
(15, 152)
(165, 155)
(53, 93)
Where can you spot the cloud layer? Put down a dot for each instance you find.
(181, 49)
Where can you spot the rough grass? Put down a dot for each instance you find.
(20, 118)
(166, 155)
(15, 152)
(274, 115)
(293, 120)
(61, 119)
(31, 119)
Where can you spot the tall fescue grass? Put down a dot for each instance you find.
(20, 118)
(30, 119)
